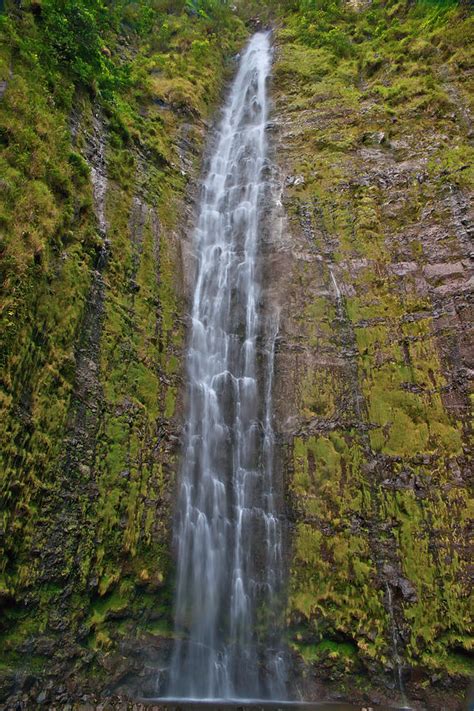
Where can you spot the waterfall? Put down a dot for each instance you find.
(228, 533)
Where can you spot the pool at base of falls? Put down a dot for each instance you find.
(184, 704)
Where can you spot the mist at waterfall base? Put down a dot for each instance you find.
(228, 534)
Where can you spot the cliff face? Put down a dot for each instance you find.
(373, 138)
(368, 259)
(97, 193)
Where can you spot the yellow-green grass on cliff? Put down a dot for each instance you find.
(89, 455)
(375, 107)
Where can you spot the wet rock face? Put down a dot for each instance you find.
(99, 526)
(368, 257)
(373, 271)
(92, 395)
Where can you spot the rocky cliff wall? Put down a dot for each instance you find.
(97, 197)
(367, 260)
(373, 141)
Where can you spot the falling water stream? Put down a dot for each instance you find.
(228, 533)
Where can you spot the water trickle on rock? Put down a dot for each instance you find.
(228, 533)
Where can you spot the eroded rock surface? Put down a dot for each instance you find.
(367, 261)
(374, 274)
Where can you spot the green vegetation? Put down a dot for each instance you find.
(375, 103)
(92, 326)
(369, 99)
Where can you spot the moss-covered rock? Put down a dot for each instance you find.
(96, 193)
(370, 399)
(372, 134)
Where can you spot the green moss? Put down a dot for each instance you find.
(442, 597)
(160, 628)
(330, 575)
(303, 63)
(357, 494)
(314, 652)
(112, 603)
(459, 664)
(88, 448)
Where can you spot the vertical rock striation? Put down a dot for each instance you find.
(98, 193)
(373, 361)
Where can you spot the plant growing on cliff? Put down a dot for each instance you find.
(71, 31)
(73, 40)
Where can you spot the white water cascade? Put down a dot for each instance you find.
(228, 533)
